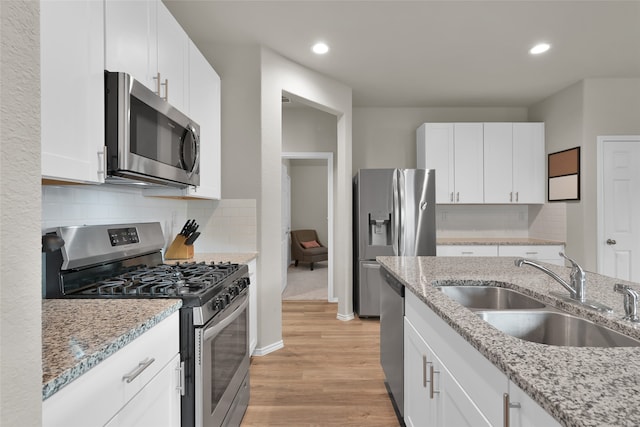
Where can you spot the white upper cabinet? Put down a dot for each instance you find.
(484, 162)
(528, 162)
(72, 91)
(204, 109)
(514, 163)
(143, 39)
(455, 151)
(130, 39)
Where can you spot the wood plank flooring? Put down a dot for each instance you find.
(328, 373)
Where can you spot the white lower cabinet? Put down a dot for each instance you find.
(544, 253)
(253, 306)
(467, 250)
(433, 397)
(449, 383)
(136, 386)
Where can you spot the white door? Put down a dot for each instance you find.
(286, 224)
(620, 241)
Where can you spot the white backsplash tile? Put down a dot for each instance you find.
(482, 221)
(225, 225)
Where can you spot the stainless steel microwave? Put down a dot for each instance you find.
(147, 139)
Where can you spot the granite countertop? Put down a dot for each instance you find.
(77, 334)
(236, 258)
(495, 241)
(579, 386)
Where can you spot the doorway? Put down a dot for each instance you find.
(619, 207)
(324, 159)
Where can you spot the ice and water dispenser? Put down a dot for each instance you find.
(379, 228)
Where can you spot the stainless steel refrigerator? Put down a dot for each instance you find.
(394, 214)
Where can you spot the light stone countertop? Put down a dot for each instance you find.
(526, 241)
(585, 386)
(77, 334)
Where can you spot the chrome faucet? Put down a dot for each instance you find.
(576, 285)
(630, 302)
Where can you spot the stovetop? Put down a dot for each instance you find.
(165, 280)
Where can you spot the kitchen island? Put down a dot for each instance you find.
(578, 386)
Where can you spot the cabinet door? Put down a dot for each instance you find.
(418, 407)
(529, 413)
(468, 155)
(173, 59)
(436, 151)
(131, 40)
(157, 404)
(498, 163)
(457, 408)
(204, 108)
(528, 162)
(72, 90)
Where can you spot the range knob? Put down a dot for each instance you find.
(226, 297)
(217, 305)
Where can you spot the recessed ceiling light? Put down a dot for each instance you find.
(320, 48)
(539, 48)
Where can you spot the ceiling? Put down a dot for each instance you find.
(433, 53)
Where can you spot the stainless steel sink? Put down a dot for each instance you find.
(489, 298)
(555, 328)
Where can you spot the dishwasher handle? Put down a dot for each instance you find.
(392, 281)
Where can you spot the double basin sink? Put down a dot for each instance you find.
(528, 319)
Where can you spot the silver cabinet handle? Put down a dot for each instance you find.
(458, 197)
(431, 386)
(511, 196)
(138, 370)
(102, 159)
(611, 242)
(531, 253)
(157, 79)
(181, 381)
(506, 406)
(424, 371)
(166, 89)
(517, 196)
(451, 197)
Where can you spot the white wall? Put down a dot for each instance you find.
(309, 196)
(277, 75)
(20, 258)
(575, 117)
(386, 137)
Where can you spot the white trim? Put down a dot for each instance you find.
(601, 140)
(263, 351)
(328, 156)
(345, 317)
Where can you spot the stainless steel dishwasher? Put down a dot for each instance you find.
(392, 338)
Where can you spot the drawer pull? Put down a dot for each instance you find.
(531, 253)
(138, 370)
(467, 253)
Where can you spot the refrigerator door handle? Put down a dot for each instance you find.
(401, 212)
(395, 213)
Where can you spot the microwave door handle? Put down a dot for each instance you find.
(196, 148)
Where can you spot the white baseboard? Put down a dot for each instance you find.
(263, 351)
(345, 317)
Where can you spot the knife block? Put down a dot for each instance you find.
(178, 250)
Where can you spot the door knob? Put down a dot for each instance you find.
(611, 242)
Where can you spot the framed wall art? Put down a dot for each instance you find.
(564, 175)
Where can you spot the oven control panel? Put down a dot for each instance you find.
(123, 236)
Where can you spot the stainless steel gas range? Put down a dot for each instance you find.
(125, 261)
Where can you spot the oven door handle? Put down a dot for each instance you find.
(215, 329)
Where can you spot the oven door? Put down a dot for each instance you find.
(222, 365)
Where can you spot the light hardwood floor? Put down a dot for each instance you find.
(328, 373)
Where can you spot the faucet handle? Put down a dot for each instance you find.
(574, 264)
(630, 301)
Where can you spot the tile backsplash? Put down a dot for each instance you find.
(482, 221)
(226, 225)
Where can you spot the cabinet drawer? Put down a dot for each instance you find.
(531, 251)
(467, 250)
(96, 396)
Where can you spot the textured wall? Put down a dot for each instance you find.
(20, 295)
